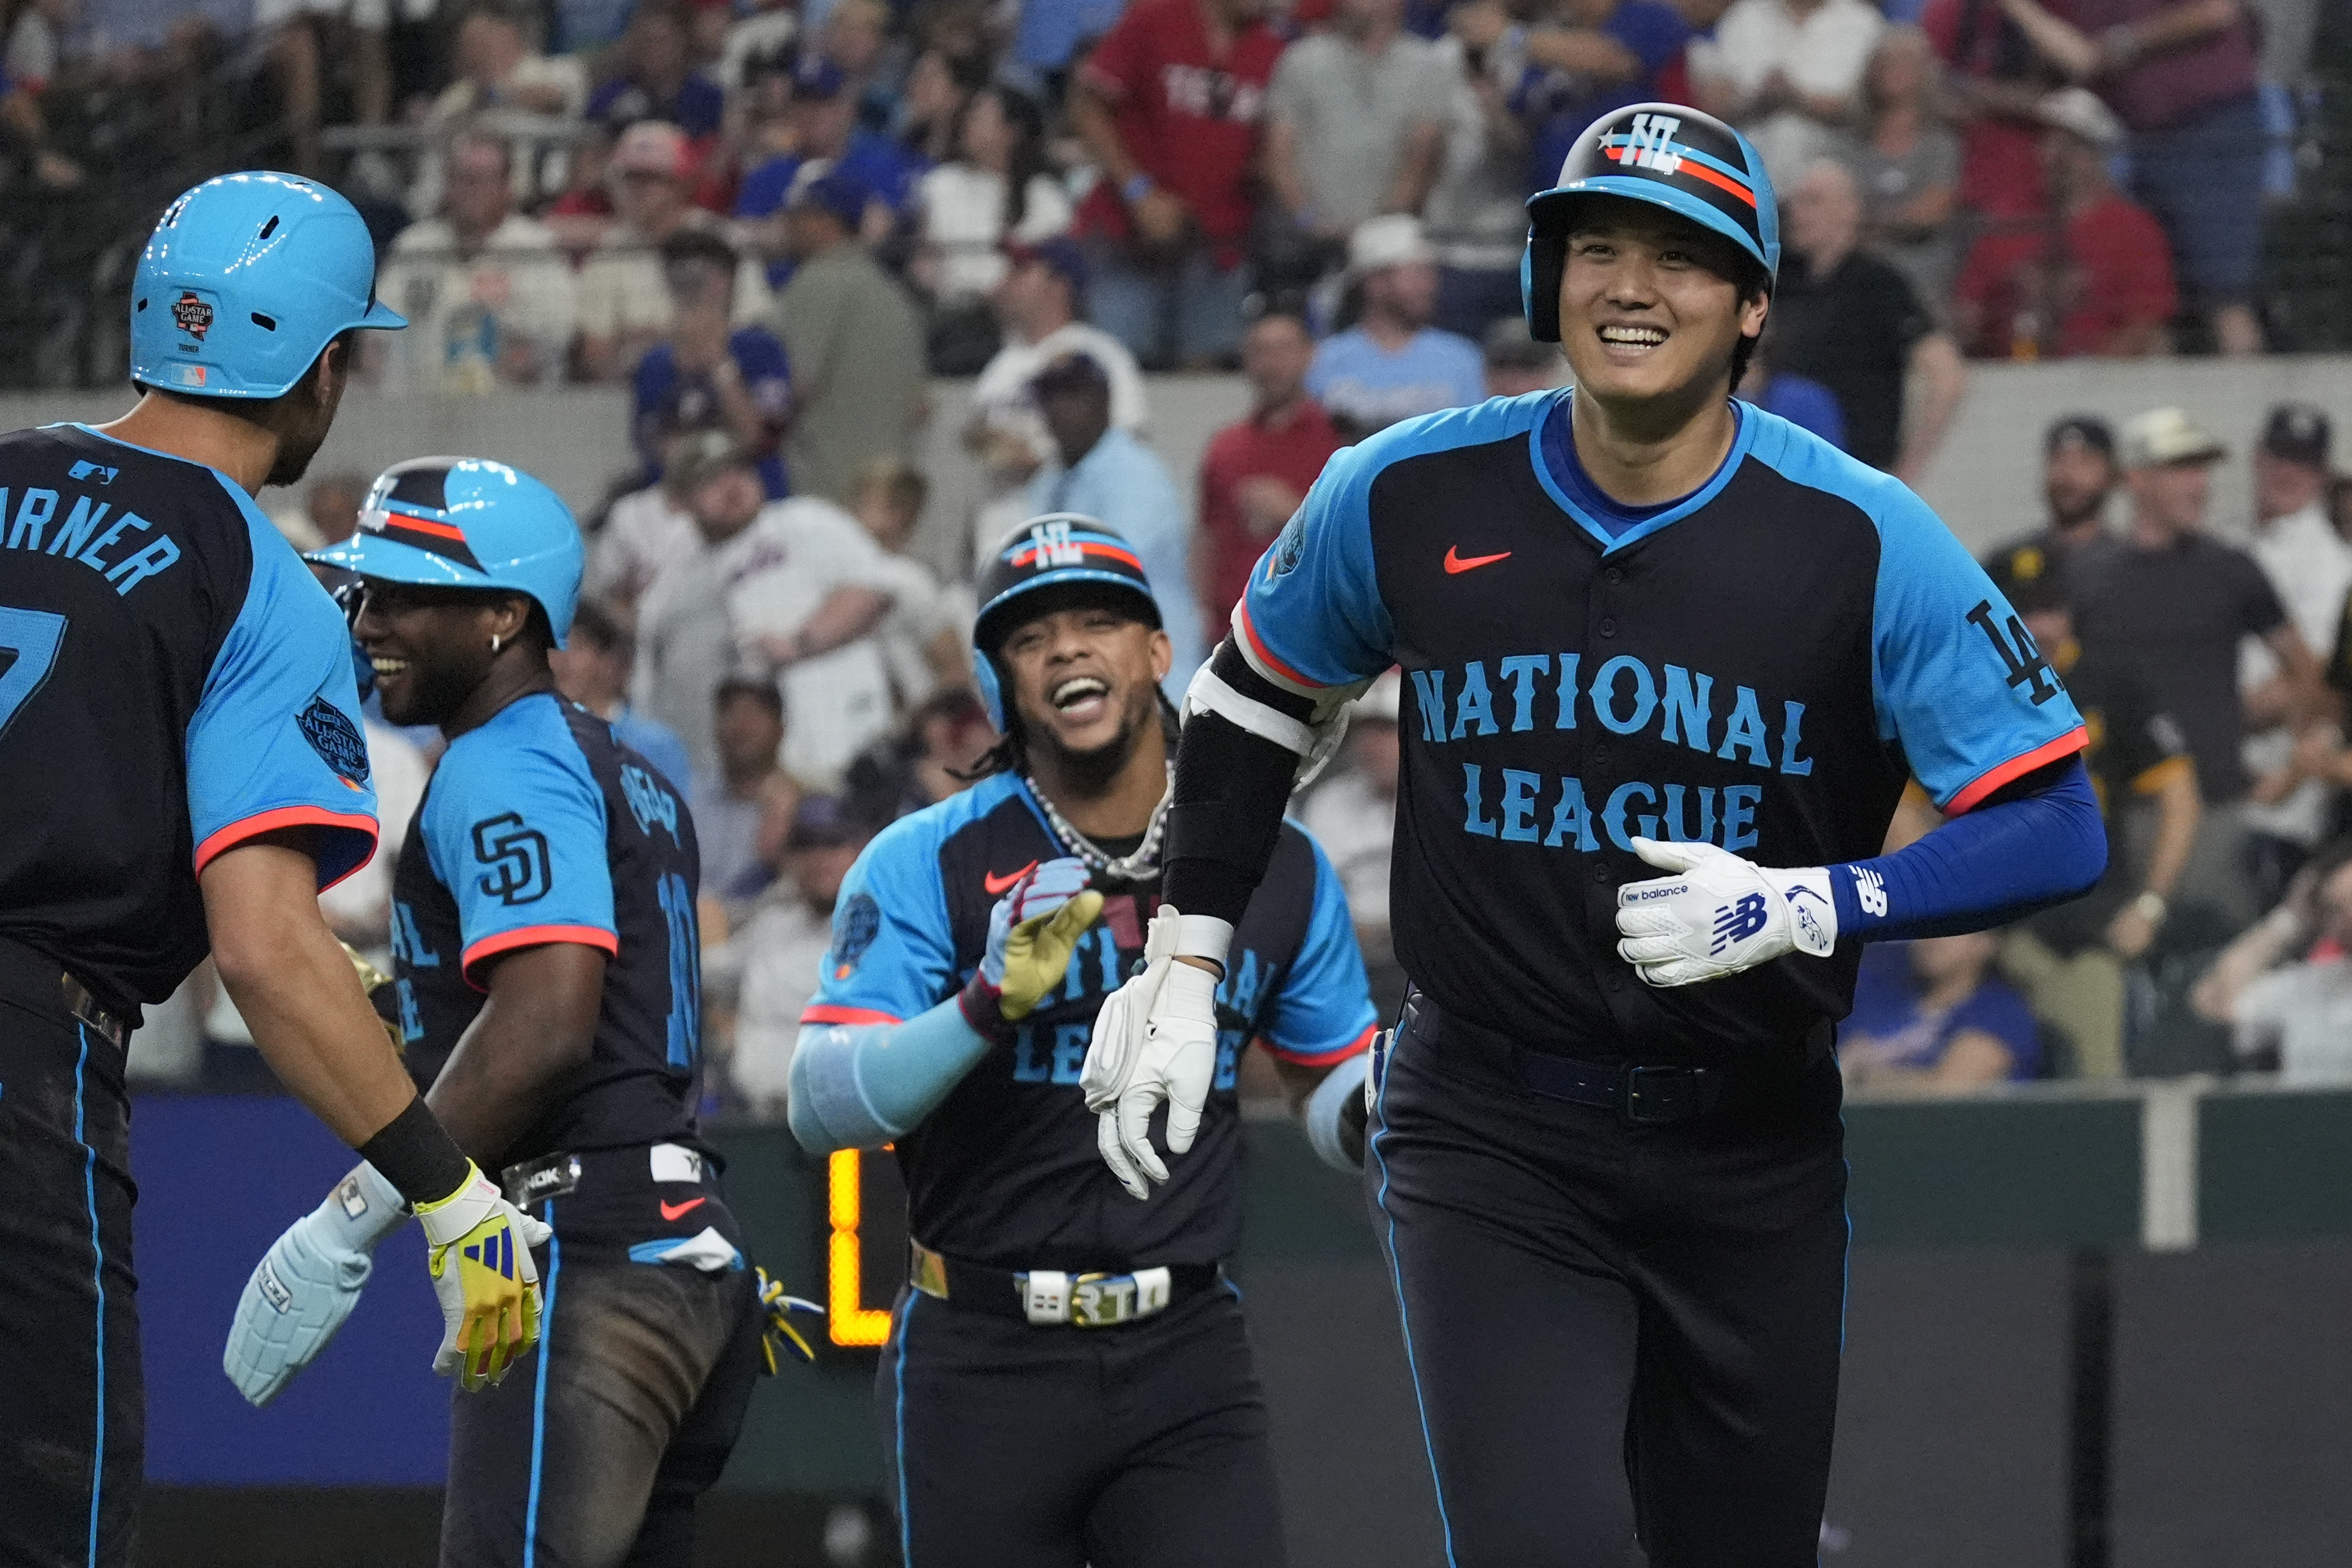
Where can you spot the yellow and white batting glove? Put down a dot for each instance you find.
(1156, 1039)
(1032, 933)
(1720, 914)
(308, 1282)
(779, 1335)
(478, 1250)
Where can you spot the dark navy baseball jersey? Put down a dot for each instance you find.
(539, 827)
(172, 682)
(1004, 1171)
(1759, 666)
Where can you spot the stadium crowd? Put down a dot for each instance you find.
(774, 223)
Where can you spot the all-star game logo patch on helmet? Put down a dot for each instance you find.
(191, 315)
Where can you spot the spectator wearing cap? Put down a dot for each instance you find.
(1850, 321)
(705, 375)
(1515, 363)
(748, 729)
(1789, 74)
(1170, 105)
(2092, 277)
(2071, 960)
(855, 344)
(1039, 303)
(997, 188)
(489, 300)
(1393, 364)
(624, 297)
(2182, 76)
(658, 80)
(1356, 120)
(1102, 472)
(2078, 474)
(826, 138)
(2310, 566)
(592, 669)
(1256, 471)
(771, 966)
(2173, 604)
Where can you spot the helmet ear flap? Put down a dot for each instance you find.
(1539, 274)
(991, 689)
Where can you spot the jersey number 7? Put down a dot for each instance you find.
(29, 639)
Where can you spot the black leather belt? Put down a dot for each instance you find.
(1641, 1094)
(38, 979)
(1046, 1298)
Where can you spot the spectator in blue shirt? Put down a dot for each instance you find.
(1393, 364)
(1801, 400)
(1930, 1018)
(1106, 474)
(1602, 56)
(827, 138)
(704, 376)
(592, 669)
(658, 80)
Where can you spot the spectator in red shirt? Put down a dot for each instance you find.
(1257, 471)
(1993, 80)
(1170, 105)
(2094, 278)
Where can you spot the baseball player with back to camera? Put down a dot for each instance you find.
(182, 760)
(1069, 1379)
(1647, 630)
(549, 990)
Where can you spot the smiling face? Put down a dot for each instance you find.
(430, 647)
(1649, 303)
(1085, 679)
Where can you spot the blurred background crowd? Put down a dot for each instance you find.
(775, 225)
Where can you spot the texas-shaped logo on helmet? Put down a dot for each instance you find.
(193, 315)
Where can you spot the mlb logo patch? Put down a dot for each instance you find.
(188, 375)
(193, 315)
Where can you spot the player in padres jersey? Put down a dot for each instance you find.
(183, 767)
(1067, 1382)
(548, 990)
(1647, 630)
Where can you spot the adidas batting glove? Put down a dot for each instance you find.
(1719, 915)
(478, 1250)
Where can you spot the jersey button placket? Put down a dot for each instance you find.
(1607, 605)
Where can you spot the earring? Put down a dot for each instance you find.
(494, 644)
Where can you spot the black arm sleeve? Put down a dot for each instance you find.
(1231, 788)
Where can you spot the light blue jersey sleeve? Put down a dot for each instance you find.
(1324, 1014)
(515, 829)
(276, 740)
(893, 954)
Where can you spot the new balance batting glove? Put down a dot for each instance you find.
(1032, 933)
(1720, 914)
(308, 1282)
(478, 1250)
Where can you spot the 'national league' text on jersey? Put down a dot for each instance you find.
(1759, 666)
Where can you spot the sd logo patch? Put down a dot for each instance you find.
(335, 738)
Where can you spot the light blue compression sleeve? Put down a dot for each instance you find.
(859, 1086)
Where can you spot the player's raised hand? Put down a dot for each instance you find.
(1032, 933)
(478, 1250)
(307, 1284)
(1719, 915)
(1155, 1039)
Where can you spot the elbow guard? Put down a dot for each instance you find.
(1312, 739)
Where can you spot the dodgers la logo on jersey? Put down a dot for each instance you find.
(2018, 654)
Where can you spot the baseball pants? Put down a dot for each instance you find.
(1142, 1446)
(1614, 1331)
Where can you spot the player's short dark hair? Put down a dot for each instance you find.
(751, 687)
(599, 626)
(1755, 283)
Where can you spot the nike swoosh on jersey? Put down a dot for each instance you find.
(673, 1210)
(997, 885)
(1456, 565)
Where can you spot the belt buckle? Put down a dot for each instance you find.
(84, 1006)
(1107, 1301)
(1663, 1106)
(527, 1182)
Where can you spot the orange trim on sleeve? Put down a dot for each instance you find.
(825, 1012)
(1264, 657)
(1355, 1046)
(262, 822)
(535, 936)
(2066, 745)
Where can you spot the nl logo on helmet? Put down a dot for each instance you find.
(1649, 145)
(1053, 547)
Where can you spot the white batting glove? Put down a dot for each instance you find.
(308, 1282)
(1155, 1039)
(1719, 915)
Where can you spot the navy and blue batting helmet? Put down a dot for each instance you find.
(246, 281)
(1066, 550)
(467, 522)
(1692, 164)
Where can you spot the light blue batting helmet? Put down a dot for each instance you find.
(467, 522)
(246, 281)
